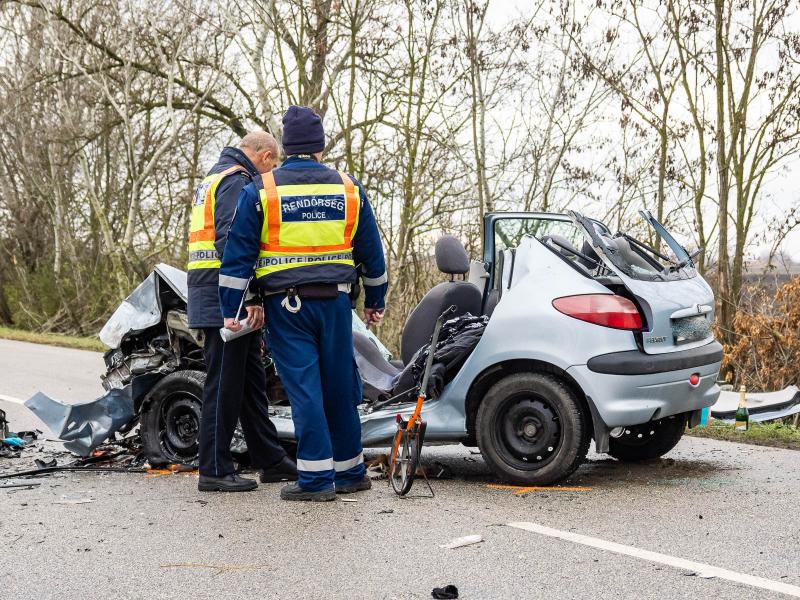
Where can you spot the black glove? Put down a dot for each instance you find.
(447, 592)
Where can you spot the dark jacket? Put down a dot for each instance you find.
(203, 306)
(245, 236)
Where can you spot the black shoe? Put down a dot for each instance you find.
(286, 470)
(295, 492)
(358, 486)
(228, 483)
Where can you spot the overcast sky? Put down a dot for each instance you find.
(779, 193)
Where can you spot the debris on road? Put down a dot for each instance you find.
(50, 470)
(521, 489)
(28, 486)
(173, 470)
(762, 406)
(12, 444)
(120, 456)
(73, 500)
(448, 592)
(84, 427)
(467, 540)
(377, 467)
(40, 464)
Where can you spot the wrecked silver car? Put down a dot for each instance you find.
(563, 333)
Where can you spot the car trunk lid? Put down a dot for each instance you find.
(676, 302)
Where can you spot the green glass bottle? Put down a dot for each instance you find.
(742, 418)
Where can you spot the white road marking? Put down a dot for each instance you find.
(11, 399)
(703, 570)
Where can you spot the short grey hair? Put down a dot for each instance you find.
(259, 141)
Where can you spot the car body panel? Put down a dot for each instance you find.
(633, 399)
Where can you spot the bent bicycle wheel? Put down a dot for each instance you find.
(405, 459)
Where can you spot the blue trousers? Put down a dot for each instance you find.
(313, 352)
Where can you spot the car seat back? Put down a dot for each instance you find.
(452, 259)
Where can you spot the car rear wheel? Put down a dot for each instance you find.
(531, 429)
(649, 440)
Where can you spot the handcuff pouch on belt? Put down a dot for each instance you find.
(316, 291)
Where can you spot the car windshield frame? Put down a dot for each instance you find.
(683, 267)
(490, 223)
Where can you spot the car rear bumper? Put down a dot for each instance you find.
(638, 397)
(634, 362)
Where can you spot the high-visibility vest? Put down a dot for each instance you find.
(202, 252)
(306, 224)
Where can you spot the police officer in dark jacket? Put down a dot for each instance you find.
(235, 386)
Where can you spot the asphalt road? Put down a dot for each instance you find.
(134, 536)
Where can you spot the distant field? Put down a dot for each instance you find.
(777, 435)
(52, 339)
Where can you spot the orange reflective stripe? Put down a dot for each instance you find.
(351, 206)
(208, 212)
(204, 235)
(273, 209)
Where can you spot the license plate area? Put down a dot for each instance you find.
(686, 330)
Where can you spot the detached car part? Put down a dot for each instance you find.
(83, 427)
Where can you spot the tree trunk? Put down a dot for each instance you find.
(725, 311)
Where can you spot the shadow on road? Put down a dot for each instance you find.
(468, 465)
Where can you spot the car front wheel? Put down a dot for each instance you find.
(531, 429)
(171, 418)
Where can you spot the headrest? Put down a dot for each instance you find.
(451, 257)
(563, 244)
(588, 250)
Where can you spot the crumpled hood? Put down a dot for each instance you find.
(142, 308)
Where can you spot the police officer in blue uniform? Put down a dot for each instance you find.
(308, 229)
(235, 387)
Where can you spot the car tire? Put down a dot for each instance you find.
(171, 418)
(648, 441)
(532, 430)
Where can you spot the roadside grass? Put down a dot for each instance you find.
(776, 434)
(52, 339)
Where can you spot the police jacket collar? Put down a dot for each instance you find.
(233, 156)
(296, 162)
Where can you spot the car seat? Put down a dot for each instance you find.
(631, 256)
(378, 375)
(452, 259)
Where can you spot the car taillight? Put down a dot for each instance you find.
(607, 310)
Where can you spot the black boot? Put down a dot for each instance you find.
(285, 470)
(295, 492)
(359, 486)
(228, 483)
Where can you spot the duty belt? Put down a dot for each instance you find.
(292, 302)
